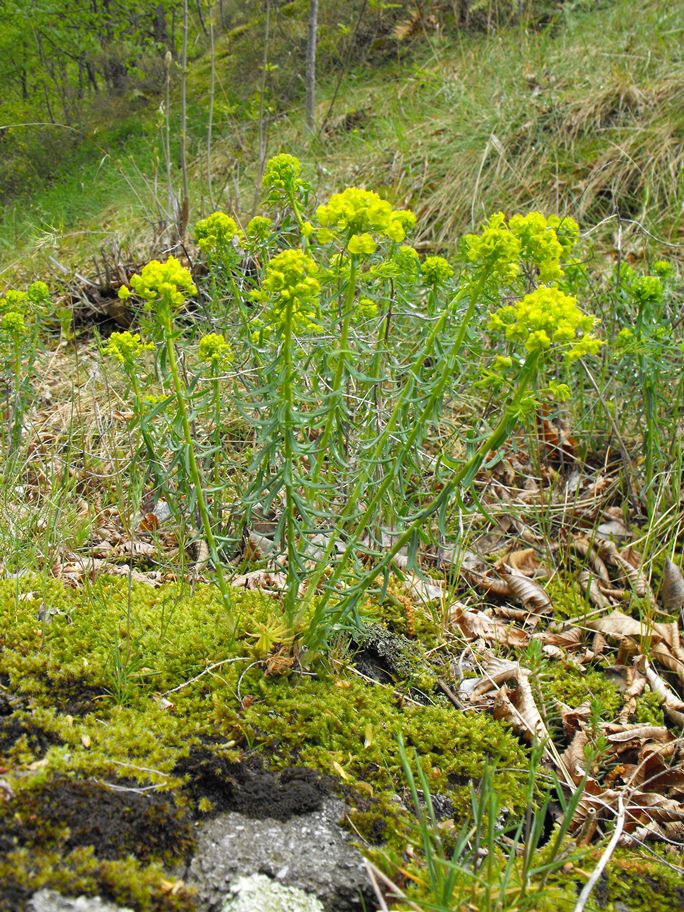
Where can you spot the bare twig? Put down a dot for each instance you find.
(206, 671)
(605, 858)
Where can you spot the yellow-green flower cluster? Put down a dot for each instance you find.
(214, 233)
(13, 301)
(38, 295)
(663, 269)
(291, 284)
(544, 317)
(647, 289)
(367, 308)
(435, 270)
(13, 325)
(282, 172)
(215, 350)
(166, 284)
(258, 228)
(362, 244)
(362, 212)
(532, 241)
(544, 242)
(126, 347)
(495, 249)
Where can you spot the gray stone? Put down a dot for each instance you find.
(307, 851)
(50, 901)
(258, 893)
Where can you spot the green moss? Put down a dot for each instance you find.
(346, 728)
(642, 883)
(568, 597)
(145, 888)
(573, 687)
(649, 709)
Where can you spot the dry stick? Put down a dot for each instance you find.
(206, 671)
(262, 101)
(376, 887)
(212, 86)
(170, 196)
(630, 472)
(605, 858)
(396, 892)
(184, 117)
(311, 67)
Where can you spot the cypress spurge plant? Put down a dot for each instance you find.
(215, 352)
(357, 344)
(165, 287)
(128, 350)
(504, 258)
(20, 322)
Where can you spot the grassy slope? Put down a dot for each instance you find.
(582, 117)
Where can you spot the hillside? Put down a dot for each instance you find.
(455, 124)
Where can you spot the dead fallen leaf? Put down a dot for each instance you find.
(672, 589)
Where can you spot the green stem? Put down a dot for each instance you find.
(287, 399)
(216, 461)
(17, 411)
(193, 468)
(159, 479)
(463, 477)
(381, 489)
(336, 395)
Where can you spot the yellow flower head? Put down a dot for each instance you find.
(544, 317)
(495, 249)
(162, 284)
(126, 347)
(13, 325)
(215, 350)
(14, 301)
(38, 293)
(290, 285)
(435, 270)
(534, 241)
(356, 211)
(362, 244)
(214, 233)
(282, 172)
(258, 228)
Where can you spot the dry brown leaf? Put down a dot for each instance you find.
(567, 639)
(591, 587)
(624, 733)
(267, 580)
(636, 683)
(427, 590)
(670, 658)
(526, 591)
(517, 705)
(574, 718)
(628, 561)
(516, 614)
(584, 547)
(672, 589)
(478, 625)
(617, 625)
(526, 561)
(573, 758)
(137, 549)
(475, 571)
